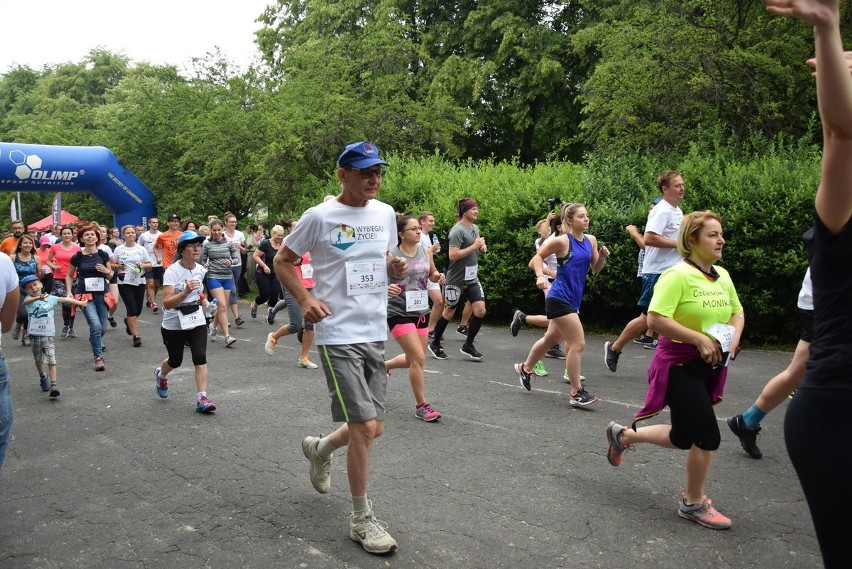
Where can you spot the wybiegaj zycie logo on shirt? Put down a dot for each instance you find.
(344, 236)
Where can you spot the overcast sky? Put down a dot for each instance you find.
(42, 32)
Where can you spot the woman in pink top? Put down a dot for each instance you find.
(59, 260)
(43, 251)
(304, 331)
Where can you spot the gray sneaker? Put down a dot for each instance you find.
(611, 357)
(371, 533)
(518, 320)
(615, 447)
(320, 467)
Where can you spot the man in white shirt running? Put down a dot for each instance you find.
(660, 254)
(349, 239)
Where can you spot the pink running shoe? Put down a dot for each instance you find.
(703, 513)
(615, 447)
(426, 413)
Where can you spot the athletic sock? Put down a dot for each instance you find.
(440, 326)
(325, 448)
(473, 329)
(753, 417)
(360, 506)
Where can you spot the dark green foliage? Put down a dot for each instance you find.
(765, 202)
(478, 99)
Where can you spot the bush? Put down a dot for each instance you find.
(764, 195)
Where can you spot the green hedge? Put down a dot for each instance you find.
(765, 202)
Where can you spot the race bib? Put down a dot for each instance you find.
(416, 300)
(366, 277)
(94, 284)
(192, 320)
(132, 277)
(471, 272)
(41, 326)
(724, 335)
(307, 271)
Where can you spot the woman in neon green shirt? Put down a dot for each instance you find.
(687, 373)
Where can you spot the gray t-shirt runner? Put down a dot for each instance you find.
(462, 236)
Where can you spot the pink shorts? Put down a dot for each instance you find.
(402, 326)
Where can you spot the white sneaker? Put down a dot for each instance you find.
(306, 363)
(371, 533)
(269, 347)
(212, 333)
(229, 341)
(320, 467)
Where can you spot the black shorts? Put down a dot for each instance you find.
(418, 321)
(472, 292)
(554, 308)
(155, 273)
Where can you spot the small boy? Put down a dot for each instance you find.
(41, 329)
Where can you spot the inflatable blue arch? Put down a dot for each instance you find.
(93, 169)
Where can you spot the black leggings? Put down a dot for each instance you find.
(60, 291)
(176, 339)
(693, 419)
(132, 296)
(268, 289)
(816, 430)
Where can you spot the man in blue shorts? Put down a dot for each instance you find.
(349, 238)
(660, 254)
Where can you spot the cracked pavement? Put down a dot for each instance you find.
(110, 475)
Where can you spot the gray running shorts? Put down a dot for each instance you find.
(357, 381)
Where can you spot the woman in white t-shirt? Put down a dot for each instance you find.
(131, 260)
(183, 318)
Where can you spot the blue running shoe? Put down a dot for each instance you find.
(162, 384)
(204, 405)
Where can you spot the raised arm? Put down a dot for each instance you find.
(834, 96)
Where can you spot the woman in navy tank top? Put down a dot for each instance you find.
(576, 252)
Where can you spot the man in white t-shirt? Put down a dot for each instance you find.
(349, 239)
(154, 275)
(660, 254)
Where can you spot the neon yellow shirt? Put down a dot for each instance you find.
(686, 295)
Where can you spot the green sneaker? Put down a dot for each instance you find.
(539, 370)
(568, 379)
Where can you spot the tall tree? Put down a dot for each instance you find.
(667, 73)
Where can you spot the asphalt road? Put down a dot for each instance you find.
(112, 476)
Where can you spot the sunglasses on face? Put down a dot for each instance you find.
(367, 173)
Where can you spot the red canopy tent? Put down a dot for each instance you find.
(46, 223)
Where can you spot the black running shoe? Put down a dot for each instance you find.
(437, 351)
(471, 352)
(556, 352)
(524, 377)
(462, 331)
(748, 437)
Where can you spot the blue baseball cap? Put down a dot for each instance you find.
(360, 155)
(190, 236)
(28, 279)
